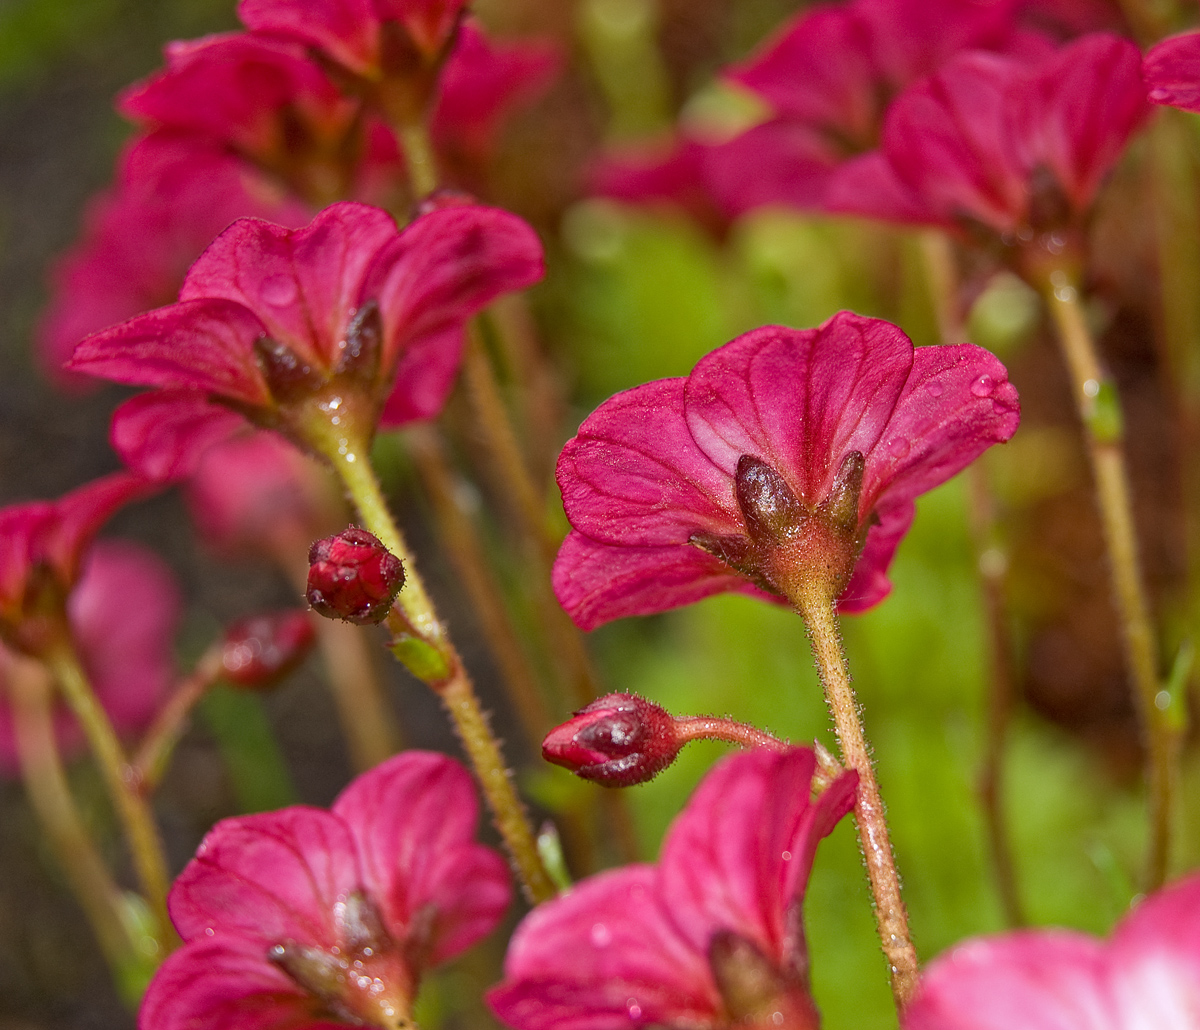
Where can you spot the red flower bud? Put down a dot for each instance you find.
(618, 740)
(261, 650)
(352, 576)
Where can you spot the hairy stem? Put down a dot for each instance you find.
(133, 811)
(891, 917)
(1099, 410)
(50, 798)
(730, 730)
(439, 667)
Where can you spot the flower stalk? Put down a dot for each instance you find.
(1099, 410)
(132, 809)
(891, 916)
(52, 804)
(422, 644)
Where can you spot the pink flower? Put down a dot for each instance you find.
(371, 38)
(172, 196)
(1019, 148)
(1147, 975)
(43, 545)
(122, 612)
(314, 918)
(280, 324)
(710, 937)
(784, 454)
(263, 99)
(827, 77)
(1172, 71)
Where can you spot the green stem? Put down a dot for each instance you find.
(438, 665)
(50, 798)
(150, 760)
(515, 484)
(942, 273)
(891, 916)
(141, 834)
(418, 152)
(1099, 410)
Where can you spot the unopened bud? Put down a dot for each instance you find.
(768, 505)
(352, 576)
(617, 741)
(289, 376)
(259, 651)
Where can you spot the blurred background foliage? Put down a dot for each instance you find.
(635, 295)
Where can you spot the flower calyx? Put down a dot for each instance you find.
(754, 992)
(617, 741)
(790, 545)
(364, 980)
(353, 577)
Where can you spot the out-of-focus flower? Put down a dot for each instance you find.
(310, 918)
(263, 99)
(826, 79)
(618, 740)
(1019, 148)
(1147, 975)
(352, 576)
(172, 197)
(43, 545)
(121, 612)
(1172, 72)
(321, 333)
(786, 458)
(374, 39)
(257, 494)
(709, 937)
(259, 651)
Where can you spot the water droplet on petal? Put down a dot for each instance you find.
(209, 931)
(777, 1018)
(898, 448)
(601, 935)
(935, 388)
(278, 290)
(634, 1009)
(984, 386)
(787, 856)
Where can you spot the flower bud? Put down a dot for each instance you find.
(352, 576)
(261, 650)
(618, 740)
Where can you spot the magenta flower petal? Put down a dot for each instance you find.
(956, 403)
(164, 434)
(1146, 975)
(425, 376)
(482, 81)
(444, 268)
(743, 848)
(868, 186)
(413, 819)
(1037, 980)
(204, 344)
(604, 956)
(217, 984)
(840, 382)
(429, 22)
(346, 30)
(1075, 114)
(652, 946)
(302, 284)
(231, 88)
(596, 583)
(1172, 71)
(633, 474)
(777, 162)
(947, 140)
(268, 878)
